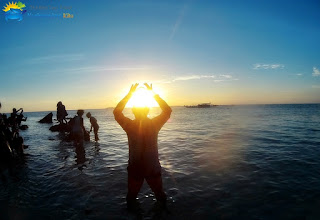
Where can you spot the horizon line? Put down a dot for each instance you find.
(312, 103)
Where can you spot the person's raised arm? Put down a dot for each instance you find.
(119, 108)
(117, 112)
(163, 105)
(161, 119)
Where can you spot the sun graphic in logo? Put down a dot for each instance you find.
(14, 11)
(9, 6)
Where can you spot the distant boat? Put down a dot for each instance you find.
(202, 105)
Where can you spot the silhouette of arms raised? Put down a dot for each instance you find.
(117, 112)
(161, 119)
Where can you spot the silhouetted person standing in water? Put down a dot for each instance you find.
(16, 117)
(142, 135)
(0, 115)
(78, 129)
(61, 113)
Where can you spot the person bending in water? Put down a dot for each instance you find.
(142, 135)
(94, 125)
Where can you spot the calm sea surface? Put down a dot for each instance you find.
(227, 162)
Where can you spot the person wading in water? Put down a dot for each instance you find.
(142, 135)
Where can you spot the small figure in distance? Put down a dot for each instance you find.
(78, 128)
(16, 117)
(3, 121)
(1, 118)
(94, 125)
(20, 117)
(61, 113)
(142, 135)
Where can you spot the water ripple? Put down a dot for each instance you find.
(249, 162)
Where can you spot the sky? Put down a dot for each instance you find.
(223, 52)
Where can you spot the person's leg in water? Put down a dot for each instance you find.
(95, 130)
(134, 186)
(78, 139)
(135, 181)
(155, 183)
(80, 154)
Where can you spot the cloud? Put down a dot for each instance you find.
(90, 69)
(178, 21)
(315, 72)
(226, 76)
(259, 66)
(215, 78)
(299, 74)
(191, 77)
(56, 58)
(316, 86)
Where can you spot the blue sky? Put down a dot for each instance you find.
(224, 52)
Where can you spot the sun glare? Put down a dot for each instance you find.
(142, 98)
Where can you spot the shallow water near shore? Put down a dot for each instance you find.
(225, 162)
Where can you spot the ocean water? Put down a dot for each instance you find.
(226, 162)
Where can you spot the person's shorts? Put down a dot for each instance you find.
(138, 172)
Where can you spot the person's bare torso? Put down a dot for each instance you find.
(143, 143)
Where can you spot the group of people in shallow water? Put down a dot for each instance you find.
(142, 133)
(77, 131)
(11, 143)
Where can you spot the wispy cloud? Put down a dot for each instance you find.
(316, 86)
(178, 21)
(258, 66)
(90, 69)
(191, 77)
(226, 76)
(315, 72)
(299, 74)
(215, 78)
(56, 58)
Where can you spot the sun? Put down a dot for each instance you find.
(142, 98)
(9, 6)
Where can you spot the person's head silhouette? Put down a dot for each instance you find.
(80, 112)
(141, 101)
(140, 113)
